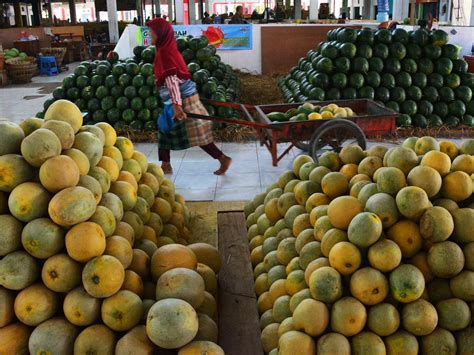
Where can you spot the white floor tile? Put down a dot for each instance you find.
(245, 193)
(238, 180)
(197, 194)
(198, 167)
(198, 181)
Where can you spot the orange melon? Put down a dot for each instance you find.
(11, 136)
(85, 241)
(71, 206)
(109, 133)
(134, 283)
(80, 159)
(102, 177)
(31, 124)
(383, 319)
(39, 146)
(342, 209)
(114, 204)
(80, 308)
(103, 276)
(92, 185)
(126, 192)
(136, 340)
(333, 343)
(122, 311)
(62, 130)
(54, 336)
(90, 145)
(105, 219)
(140, 263)
(60, 273)
(95, 339)
(14, 170)
(198, 347)
(29, 201)
(15, 338)
(348, 316)
(64, 110)
(35, 304)
(181, 283)
(369, 286)
(115, 154)
(172, 256)
(457, 186)
(42, 238)
(110, 166)
(18, 270)
(292, 340)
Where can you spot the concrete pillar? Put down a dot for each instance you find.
(208, 6)
(351, 14)
(113, 22)
(313, 10)
(72, 11)
(170, 10)
(36, 7)
(18, 18)
(179, 15)
(200, 10)
(287, 4)
(372, 10)
(138, 5)
(366, 10)
(49, 9)
(297, 9)
(192, 12)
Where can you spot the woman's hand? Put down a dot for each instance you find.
(179, 114)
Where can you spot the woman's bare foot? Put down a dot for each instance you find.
(225, 164)
(167, 168)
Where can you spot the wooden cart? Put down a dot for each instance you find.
(314, 137)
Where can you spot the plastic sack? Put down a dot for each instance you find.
(165, 120)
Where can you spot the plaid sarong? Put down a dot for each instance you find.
(188, 132)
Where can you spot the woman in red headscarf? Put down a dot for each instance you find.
(175, 84)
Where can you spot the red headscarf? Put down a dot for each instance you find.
(168, 60)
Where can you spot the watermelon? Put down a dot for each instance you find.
(441, 109)
(446, 94)
(431, 94)
(136, 124)
(325, 65)
(380, 50)
(360, 65)
(468, 120)
(403, 79)
(420, 37)
(409, 65)
(87, 93)
(69, 82)
(373, 79)
(419, 121)
(110, 81)
(392, 65)
(330, 51)
(113, 115)
(425, 107)
(414, 51)
(400, 35)
(393, 106)
(451, 51)
(356, 80)
(151, 103)
(383, 35)
(397, 94)
(339, 80)
(436, 80)
(470, 108)
(342, 64)
(376, 64)
(432, 51)
(404, 120)
(320, 80)
(419, 79)
(439, 38)
(128, 115)
(93, 105)
(364, 51)
(116, 91)
(82, 81)
(349, 94)
(348, 50)
(182, 43)
(122, 103)
(463, 93)
(414, 93)
(452, 80)
(444, 66)
(451, 121)
(367, 92)
(317, 94)
(387, 80)
(333, 94)
(460, 66)
(434, 120)
(365, 35)
(347, 35)
(148, 55)
(397, 50)
(425, 66)
(382, 94)
(468, 80)
(72, 94)
(457, 108)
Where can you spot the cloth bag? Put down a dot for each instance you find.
(165, 120)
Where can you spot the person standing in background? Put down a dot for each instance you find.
(238, 19)
(175, 84)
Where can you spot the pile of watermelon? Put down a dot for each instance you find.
(124, 93)
(417, 73)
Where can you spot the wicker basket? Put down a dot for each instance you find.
(58, 52)
(21, 70)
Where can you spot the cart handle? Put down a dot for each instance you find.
(250, 122)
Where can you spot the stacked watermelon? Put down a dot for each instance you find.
(215, 80)
(124, 93)
(417, 73)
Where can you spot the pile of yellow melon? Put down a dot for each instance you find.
(94, 254)
(368, 252)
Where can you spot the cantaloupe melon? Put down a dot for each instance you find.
(333, 343)
(122, 311)
(445, 259)
(39, 146)
(348, 316)
(14, 170)
(419, 318)
(80, 159)
(42, 238)
(109, 133)
(406, 283)
(95, 339)
(18, 270)
(29, 201)
(134, 283)
(62, 130)
(171, 323)
(345, 257)
(80, 308)
(390, 180)
(54, 336)
(11, 136)
(369, 286)
(300, 341)
(385, 255)
(31, 124)
(269, 337)
(15, 338)
(436, 224)
(426, 178)
(35, 304)
(457, 186)
(90, 145)
(103, 276)
(96, 131)
(311, 316)
(136, 340)
(383, 319)
(172, 256)
(325, 284)
(64, 110)
(342, 209)
(85, 241)
(58, 173)
(198, 347)
(439, 339)
(125, 146)
(126, 193)
(412, 202)
(181, 283)
(10, 234)
(334, 184)
(71, 206)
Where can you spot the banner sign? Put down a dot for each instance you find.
(223, 37)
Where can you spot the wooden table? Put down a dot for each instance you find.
(32, 48)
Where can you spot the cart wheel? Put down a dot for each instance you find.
(334, 135)
(303, 145)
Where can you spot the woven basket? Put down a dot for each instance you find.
(58, 52)
(21, 70)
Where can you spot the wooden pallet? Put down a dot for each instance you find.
(239, 329)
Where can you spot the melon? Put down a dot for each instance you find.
(42, 238)
(299, 161)
(348, 316)
(171, 323)
(318, 173)
(110, 166)
(462, 285)
(369, 286)
(209, 306)
(425, 144)
(90, 145)
(333, 343)
(385, 255)
(325, 284)
(11, 136)
(14, 170)
(401, 342)
(80, 308)
(426, 178)
(71, 206)
(63, 110)
(172, 256)
(39, 146)
(300, 341)
(85, 241)
(35, 304)
(311, 316)
(120, 248)
(463, 225)
(58, 173)
(198, 347)
(134, 283)
(145, 192)
(377, 150)
(29, 201)
(439, 161)
(92, 185)
(313, 266)
(18, 270)
(140, 263)
(7, 299)
(96, 131)
(436, 224)
(390, 180)
(419, 318)
(407, 235)
(122, 311)
(306, 170)
(439, 339)
(15, 338)
(31, 124)
(342, 209)
(141, 159)
(345, 257)
(135, 221)
(80, 159)
(445, 259)
(150, 180)
(269, 337)
(383, 319)
(103, 276)
(367, 342)
(402, 158)
(95, 339)
(114, 204)
(163, 209)
(321, 227)
(62, 130)
(457, 186)
(406, 283)
(334, 184)
(366, 192)
(114, 153)
(449, 148)
(10, 234)
(54, 336)
(453, 314)
(109, 133)
(351, 154)
(464, 163)
(365, 229)
(60, 273)
(181, 283)
(412, 202)
(102, 177)
(298, 297)
(136, 340)
(126, 193)
(133, 167)
(125, 146)
(349, 170)
(331, 238)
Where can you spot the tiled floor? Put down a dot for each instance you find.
(251, 171)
